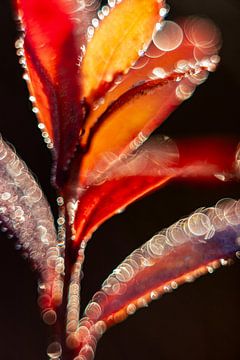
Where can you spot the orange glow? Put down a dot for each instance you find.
(115, 44)
(165, 61)
(142, 109)
(122, 314)
(101, 202)
(38, 90)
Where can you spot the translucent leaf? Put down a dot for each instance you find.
(116, 43)
(156, 63)
(136, 114)
(52, 76)
(26, 215)
(117, 181)
(186, 250)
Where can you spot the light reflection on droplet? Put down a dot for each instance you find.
(169, 37)
(215, 59)
(54, 350)
(199, 224)
(201, 32)
(111, 3)
(184, 91)
(158, 73)
(93, 311)
(100, 15)
(163, 11)
(131, 309)
(142, 61)
(156, 245)
(153, 52)
(49, 317)
(95, 22)
(105, 10)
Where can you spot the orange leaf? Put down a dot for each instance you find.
(158, 63)
(127, 123)
(117, 42)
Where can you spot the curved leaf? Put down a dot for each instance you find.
(127, 179)
(158, 63)
(53, 76)
(26, 215)
(186, 250)
(126, 30)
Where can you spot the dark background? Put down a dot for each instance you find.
(199, 321)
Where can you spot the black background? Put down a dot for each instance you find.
(199, 321)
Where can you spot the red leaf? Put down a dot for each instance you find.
(186, 250)
(51, 54)
(128, 179)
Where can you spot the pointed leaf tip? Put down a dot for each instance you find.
(52, 76)
(117, 42)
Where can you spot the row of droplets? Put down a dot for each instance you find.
(167, 37)
(19, 45)
(200, 227)
(26, 214)
(106, 10)
(152, 158)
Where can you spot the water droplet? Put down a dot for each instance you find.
(25, 76)
(41, 126)
(6, 196)
(35, 110)
(54, 350)
(20, 52)
(223, 262)
(199, 224)
(19, 43)
(158, 73)
(169, 37)
(60, 201)
(156, 245)
(100, 327)
(100, 15)
(61, 220)
(32, 99)
(90, 31)
(154, 52)
(93, 311)
(120, 211)
(215, 59)
(163, 12)
(174, 285)
(95, 22)
(154, 295)
(140, 63)
(142, 302)
(210, 269)
(131, 309)
(49, 317)
(105, 10)
(112, 3)
(184, 91)
(141, 52)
